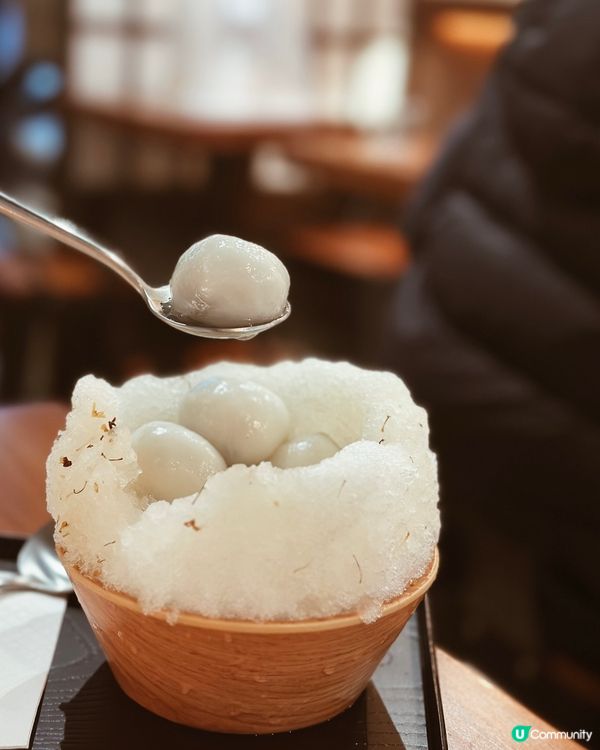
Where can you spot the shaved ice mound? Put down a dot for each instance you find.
(257, 542)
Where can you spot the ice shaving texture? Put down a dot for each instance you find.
(258, 542)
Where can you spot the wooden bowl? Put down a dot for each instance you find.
(241, 676)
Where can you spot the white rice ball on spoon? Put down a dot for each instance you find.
(227, 282)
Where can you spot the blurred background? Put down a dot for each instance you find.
(304, 126)
(152, 123)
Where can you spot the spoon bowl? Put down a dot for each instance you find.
(38, 560)
(158, 299)
(38, 567)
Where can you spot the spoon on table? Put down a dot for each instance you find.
(158, 299)
(38, 567)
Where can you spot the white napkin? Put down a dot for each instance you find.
(29, 628)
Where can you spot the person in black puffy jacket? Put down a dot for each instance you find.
(496, 328)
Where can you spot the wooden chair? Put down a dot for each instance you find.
(364, 251)
(34, 292)
(26, 436)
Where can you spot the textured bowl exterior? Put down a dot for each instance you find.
(239, 676)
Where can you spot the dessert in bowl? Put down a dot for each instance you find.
(262, 599)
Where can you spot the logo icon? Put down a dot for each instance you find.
(520, 733)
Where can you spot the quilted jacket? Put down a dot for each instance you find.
(496, 328)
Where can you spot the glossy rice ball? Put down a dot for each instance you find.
(304, 451)
(243, 420)
(174, 461)
(227, 282)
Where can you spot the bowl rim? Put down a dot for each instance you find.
(414, 592)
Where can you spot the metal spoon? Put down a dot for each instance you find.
(158, 299)
(38, 567)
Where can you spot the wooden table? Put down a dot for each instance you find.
(479, 716)
(388, 166)
(229, 145)
(221, 137)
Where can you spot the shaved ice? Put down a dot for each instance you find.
(256, 542)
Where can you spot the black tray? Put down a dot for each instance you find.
(83, 708)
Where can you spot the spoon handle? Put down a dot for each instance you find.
(66, 232)
(15, 582)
